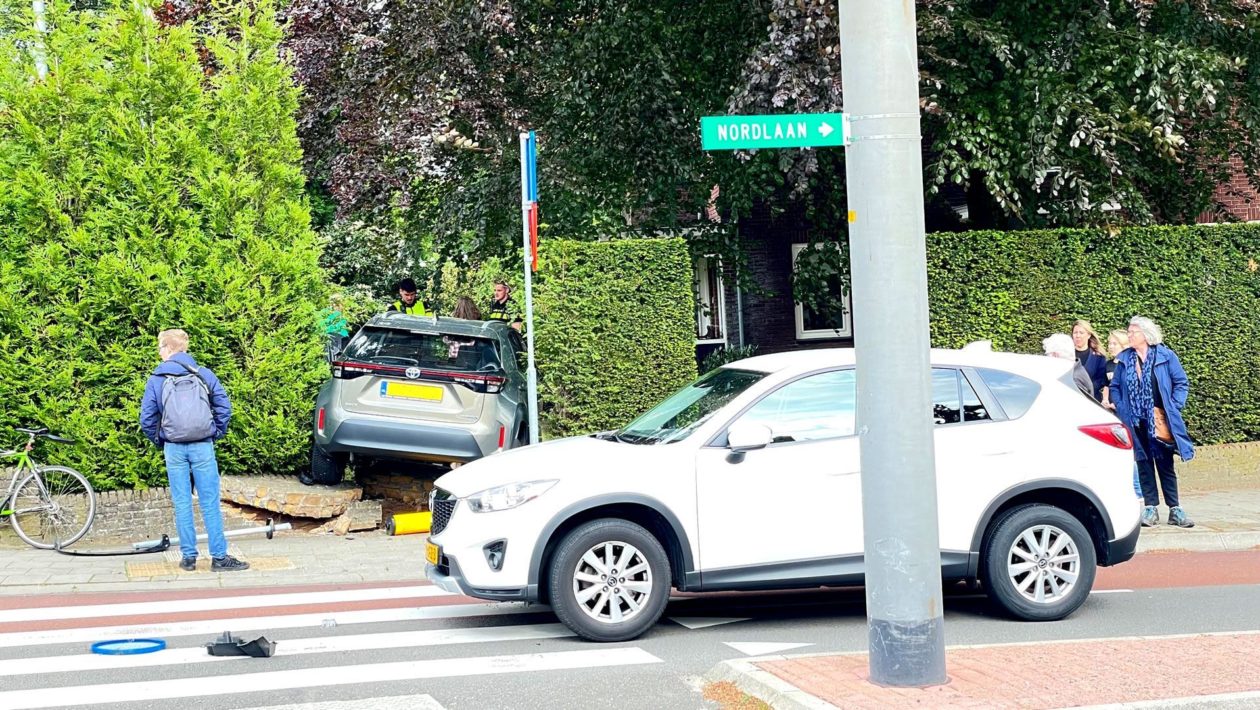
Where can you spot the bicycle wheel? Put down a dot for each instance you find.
(53, 506)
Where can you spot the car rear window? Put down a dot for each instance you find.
(411, 348)
(1015, 393)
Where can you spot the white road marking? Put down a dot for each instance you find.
(394, 702)
(320, 677)
(252, 601)
(763, 648)
(87, 662)
(327, 619)
(704, 622)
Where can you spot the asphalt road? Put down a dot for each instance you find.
(465, 657)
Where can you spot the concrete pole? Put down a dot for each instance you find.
(884, 168)
(41, 27)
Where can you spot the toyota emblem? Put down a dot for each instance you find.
(413, 373)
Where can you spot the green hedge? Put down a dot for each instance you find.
(615, 330)
(141, 190)
(1201, 284)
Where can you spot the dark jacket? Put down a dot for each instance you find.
(1174, 388)
(1096, 368)
(151, 405)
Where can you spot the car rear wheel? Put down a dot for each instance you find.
(326, 469)
(609, 580)
(1038, 563)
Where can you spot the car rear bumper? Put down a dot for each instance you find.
(412, 441)
(1121, 549)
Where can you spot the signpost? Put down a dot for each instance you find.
(529, 237)
(802, 130)
(884, 169)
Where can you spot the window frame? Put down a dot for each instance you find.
(799, 310)
(712, 270)
(720, 441)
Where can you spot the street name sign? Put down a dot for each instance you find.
(802, 130)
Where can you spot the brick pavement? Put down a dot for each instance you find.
(1037, 676)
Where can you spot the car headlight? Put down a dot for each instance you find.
(507, 497)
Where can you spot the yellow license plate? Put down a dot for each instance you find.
(432, 553)
(432, 393)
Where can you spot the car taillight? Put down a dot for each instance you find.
(319, 421)
(502, 436)
(1110, 434)
(350, 370)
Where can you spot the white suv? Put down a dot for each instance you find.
(749, 479)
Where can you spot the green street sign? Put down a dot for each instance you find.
(802, 130)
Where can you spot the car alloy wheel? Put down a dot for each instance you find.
(1044, 564)
(612, 582)
(1038, 562)
(597, 603)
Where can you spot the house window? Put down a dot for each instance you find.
(710, 302)
(814, 326)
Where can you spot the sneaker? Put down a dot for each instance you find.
(228, 563)
(1150, 516)
(1178, 517)
(188, 564)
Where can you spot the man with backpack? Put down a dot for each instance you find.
(184, 411)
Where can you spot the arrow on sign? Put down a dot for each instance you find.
(825, 129)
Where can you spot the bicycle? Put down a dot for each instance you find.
(50, 507)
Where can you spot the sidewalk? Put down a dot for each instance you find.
(1226, 520)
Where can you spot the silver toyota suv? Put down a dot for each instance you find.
(433, 389)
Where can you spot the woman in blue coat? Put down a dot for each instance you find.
(1148, 381)
(1090, 354)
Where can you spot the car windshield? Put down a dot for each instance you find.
(675, 418)
(410, 348)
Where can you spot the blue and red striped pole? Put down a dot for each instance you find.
(529, 230)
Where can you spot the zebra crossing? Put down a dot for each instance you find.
(404, 637)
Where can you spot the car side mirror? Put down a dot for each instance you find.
(748, 436)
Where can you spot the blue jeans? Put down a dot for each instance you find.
(188, 465)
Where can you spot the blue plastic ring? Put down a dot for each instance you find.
(128, 647)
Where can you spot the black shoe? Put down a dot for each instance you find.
(188, 564)
(228, 563)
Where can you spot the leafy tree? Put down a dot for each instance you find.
(154, 181)
(1042, 113)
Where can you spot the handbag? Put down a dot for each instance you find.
(1162, 430)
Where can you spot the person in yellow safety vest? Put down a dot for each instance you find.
(501, 308)
(408, 299)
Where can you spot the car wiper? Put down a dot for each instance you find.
(631, 438)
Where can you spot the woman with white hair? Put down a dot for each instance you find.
(1148, 391)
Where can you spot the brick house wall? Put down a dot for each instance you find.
(769, 320)
(1239, 198)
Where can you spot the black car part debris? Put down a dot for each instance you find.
(229, 645)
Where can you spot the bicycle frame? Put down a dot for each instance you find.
(24, 463)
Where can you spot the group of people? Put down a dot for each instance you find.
(1141, 379)
(501, 309)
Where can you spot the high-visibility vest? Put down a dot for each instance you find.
(499, 311)
(415, 309)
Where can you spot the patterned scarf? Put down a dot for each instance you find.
(1138, 387)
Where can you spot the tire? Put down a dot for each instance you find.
(57, 513)
(576, 570)
(1038, 563)
(326, 469)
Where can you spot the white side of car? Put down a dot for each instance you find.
(763, 491)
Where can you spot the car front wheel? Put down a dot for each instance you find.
(1039, 563)
(609, 580)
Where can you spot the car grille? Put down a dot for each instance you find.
(442, 505)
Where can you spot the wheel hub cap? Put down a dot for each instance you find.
(612, 582)
(1043, 564)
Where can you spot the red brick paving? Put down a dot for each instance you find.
(1182, 569)
(1041, 676)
